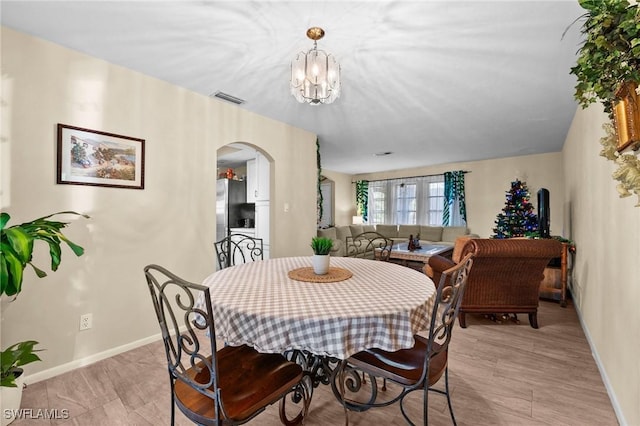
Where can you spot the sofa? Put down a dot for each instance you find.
(505, 276)
(398, 233)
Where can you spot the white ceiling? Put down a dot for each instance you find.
(432, 81)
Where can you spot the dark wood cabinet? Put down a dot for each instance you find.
(554, 284)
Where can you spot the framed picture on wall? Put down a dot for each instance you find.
(91, 157)
(626, 114)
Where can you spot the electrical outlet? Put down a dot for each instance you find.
(86, 321)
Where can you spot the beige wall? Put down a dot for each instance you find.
(606, 274)
(171, 222)
(488, 182)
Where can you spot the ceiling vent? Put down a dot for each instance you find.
(228, 98)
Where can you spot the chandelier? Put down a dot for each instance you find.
(315, 75)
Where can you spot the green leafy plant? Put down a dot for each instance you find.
(12, 358)
(16, 252)
(610, 54)
(321, 245)
(320, 197)
(567, 241)
(16, 248)
(628, 172)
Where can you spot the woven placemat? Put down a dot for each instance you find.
(307, 275)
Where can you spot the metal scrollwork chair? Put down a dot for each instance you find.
(414, 369)
(234, 384)
(236, 249)
(369, 245)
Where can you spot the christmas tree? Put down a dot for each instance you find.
(517, 218)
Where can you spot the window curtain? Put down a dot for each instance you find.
(455, 209)
(385, 203)
(362, 199)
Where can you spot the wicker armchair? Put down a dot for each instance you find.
(506, 275)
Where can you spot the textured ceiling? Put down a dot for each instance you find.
(432, 81)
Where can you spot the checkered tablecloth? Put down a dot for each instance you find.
(383, 305)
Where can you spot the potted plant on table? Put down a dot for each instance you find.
(16, 252)
(321, 248)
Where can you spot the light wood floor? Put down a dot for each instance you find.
(500, 374)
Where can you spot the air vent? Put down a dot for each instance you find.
(228, 98)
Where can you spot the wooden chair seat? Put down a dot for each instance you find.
(415, 369)
(229, 386)
(248, 381)
(404, 366)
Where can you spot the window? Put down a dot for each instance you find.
(377, 201)
(407, 201)
(436, 202)
(406, 204)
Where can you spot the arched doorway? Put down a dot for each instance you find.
(243, 194)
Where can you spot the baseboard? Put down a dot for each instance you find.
(612, 396)
(65, 368)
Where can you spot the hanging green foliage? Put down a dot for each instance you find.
(320, 198)
(610, 54)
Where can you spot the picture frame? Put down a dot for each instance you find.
(92, 157)
(626, 113)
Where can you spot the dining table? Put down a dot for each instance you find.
(279, 305)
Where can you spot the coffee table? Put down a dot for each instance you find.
(417, 258)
